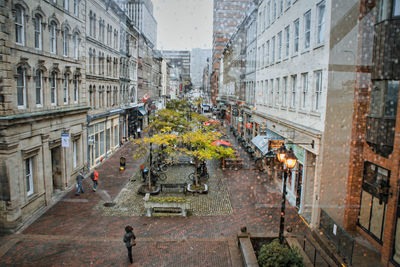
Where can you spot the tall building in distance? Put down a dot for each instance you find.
(198, 60)
(179, 59)
(227, 16)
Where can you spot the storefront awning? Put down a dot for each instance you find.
(142, 111)
(261, 141)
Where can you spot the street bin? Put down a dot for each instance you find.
(122, 162)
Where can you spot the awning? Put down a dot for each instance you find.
(261, 141)
(142, 111)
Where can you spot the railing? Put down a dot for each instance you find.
(342, 240)
(313, 254)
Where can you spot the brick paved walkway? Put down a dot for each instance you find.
(74, 233)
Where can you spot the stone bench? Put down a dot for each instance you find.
(171, 187)
(166, 207)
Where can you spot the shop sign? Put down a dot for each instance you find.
(249, 125)
(275, 144)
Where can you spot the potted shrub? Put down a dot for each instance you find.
(275, 255)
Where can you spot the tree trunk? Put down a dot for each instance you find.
(196, 175)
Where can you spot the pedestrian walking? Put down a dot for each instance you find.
(79, 181)
(129, 240)
(138, 131)
(95, 177)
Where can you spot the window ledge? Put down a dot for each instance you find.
(292, 109)
(303, 111)
(315, 114)
(305, 51)
(295, 55)
(317, 46)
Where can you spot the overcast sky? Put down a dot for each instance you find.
(183, 24)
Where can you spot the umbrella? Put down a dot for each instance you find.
(221, 143)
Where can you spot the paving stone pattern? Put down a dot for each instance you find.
(76, 232)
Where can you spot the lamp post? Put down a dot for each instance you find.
(288, 160)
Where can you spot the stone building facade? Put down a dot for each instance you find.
(43, 104)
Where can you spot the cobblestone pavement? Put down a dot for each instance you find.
(75, 232)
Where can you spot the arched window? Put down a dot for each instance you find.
(94, 61)
(21, 88)
(90, 23)
(53, 88)
(53, 37)
(66, 42)
(65, 89)
(39, 88)
(38, 31)
(19, 25)
(94, 25)
(90, 96)
(76, 45)
(76, 89)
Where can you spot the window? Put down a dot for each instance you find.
(53, 89)
(305, 90)
(65, 42)
(321, 22)
(274, 11)
(259, 55)
(76, 89)
(53, 38)
(280, 7)
(273, 50)
(307, 29)
(29, 176)
(65, 89)
(21, 88)
(74, 154)
(263, 56)
(66, 5)
(278, 91)
(294, 88)
(90, 23)
(318, 89)
(19, 25)
(296, 37)
(38, 31)
(39, 88)
(288, 3)
(287, 40)
(76, 46)
(279, 45)
(373, 204)
(387, 9)
(285, 89)
(383, 103)
(267, 61)
(269, 12)
(271, 92)
(76, 8)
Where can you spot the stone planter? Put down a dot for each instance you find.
(149, 206)
(204, 191)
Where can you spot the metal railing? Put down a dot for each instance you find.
(313, 254)
(343, 242)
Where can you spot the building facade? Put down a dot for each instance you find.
(198, 60)
(44, 104)
(227, 16)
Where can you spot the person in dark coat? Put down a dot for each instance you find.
(79, 181)
(129, 240)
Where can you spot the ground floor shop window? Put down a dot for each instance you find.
(29, 176)
(374, 200)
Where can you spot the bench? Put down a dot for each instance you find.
(168, 187)
(229, 162)
(166, 207)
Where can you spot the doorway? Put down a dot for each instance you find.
(56, 167)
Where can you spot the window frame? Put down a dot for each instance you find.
(76, 88)
(307, 30)
(296, 36)
(294, 91)
(29, 177)
(318, 90)
(21, 74)
(66, 42)
(76, 45)
(53, 88)
(19, 25)
(39, 86)
(66, 89)
(320, 25)
(304, 77)
(38, 33)
(53, 37)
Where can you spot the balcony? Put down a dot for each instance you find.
(386, 50)
(380, 135)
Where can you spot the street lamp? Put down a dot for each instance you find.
(289, 161)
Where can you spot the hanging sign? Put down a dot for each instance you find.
(65, 140)
(249, 125)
